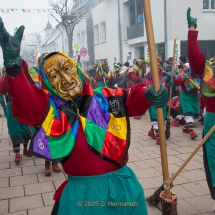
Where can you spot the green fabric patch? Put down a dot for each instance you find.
(97, 90)
(189, 103)
(209, 120)
(95, 135)
(14, 127)
(66, 143)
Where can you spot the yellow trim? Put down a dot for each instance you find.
(49, 118)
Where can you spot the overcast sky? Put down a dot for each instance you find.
(33, 22)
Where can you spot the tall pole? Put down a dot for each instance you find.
(156, 82)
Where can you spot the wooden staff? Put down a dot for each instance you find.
(155, 77)
(102, 69)
(78, 59)
(197, 87)
(167, 132)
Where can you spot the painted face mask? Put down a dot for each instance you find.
(62, 76)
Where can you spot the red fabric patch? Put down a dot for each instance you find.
(87, 89)
(60, 126)
(112, 92)
(114, 147)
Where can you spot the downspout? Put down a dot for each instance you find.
(120, 33)
(165, 30)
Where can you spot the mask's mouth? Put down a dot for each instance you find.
(69, 86)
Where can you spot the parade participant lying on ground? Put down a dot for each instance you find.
(89, 131)
(203, 69)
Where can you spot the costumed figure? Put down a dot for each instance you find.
(135, 74)
(153, 132)
(91, 71)
(189, 98)
(89, 131)
(206, 72)
(114, 77)
(18, 132)
(102, 75)
(123, 78)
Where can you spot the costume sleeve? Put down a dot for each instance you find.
(29, 103)
(136, 101)
(4, 87)
(134, 77)
(195, 56)
(178, 81)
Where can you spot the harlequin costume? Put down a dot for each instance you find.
(87, 130)
(206, 72)
(90, 135)
(189, 99)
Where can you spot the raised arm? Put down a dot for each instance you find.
(195, 56)
(28, 102)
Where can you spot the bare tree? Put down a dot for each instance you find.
(71, 12)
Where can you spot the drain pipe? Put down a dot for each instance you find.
(120, 33)
(165, 30)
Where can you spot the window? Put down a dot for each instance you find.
(82, 43)
(206, 46)
(96, 34)
(209, 4)
(103, 31)
(95, 2)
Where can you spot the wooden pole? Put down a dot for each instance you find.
(155, 77)
(78, 59)
(172, 71)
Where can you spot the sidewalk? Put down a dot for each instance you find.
(25, 190)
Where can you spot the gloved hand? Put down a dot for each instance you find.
(11, 46)
(160, 98)
(185, 77)
(171, 83)
(190, 20)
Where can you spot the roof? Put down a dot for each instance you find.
(53, 36)
(48, 26)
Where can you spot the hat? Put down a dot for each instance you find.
(147, 60)
(183, 59)
(116, 66)
(126, 64)
(122, 69)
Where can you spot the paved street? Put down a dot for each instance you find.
(25, 190)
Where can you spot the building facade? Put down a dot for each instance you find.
(119, 29)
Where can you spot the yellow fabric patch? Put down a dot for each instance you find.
(49, 120)
(34, 77)
(48, 131)
(208, 73)
(118, 127)
(83, 122)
